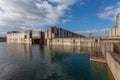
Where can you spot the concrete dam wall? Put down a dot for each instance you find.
(113, 61)
(86, 42)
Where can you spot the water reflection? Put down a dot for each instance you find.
(20, 51)
(35, 62)
(100, 72)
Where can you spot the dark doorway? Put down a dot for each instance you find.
(36, 41)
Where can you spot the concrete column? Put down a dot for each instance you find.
(118, 24)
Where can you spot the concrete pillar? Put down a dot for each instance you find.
(118, 24)
(59, 33)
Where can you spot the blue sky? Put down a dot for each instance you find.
(85, 17)
(82, 16)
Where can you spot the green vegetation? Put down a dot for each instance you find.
(2, 39)
(116, 48)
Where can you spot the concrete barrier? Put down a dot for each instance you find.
(85, 42)
(113, 61)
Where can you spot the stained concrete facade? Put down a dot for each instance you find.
(85, 42)
(55, 32)
(25, 37)
(59, 36)
(19, 37)
(115, 31)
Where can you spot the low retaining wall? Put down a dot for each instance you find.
(85, 42)
(19, 41)
(113, 61)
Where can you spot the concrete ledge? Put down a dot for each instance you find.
(115, 56)
(98, 60)
(113, 61)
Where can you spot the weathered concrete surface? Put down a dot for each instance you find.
(55, 32)
(98, 60)
(19, 37)
(111, 39)
(115, 31)
(113, 61)
(86, 42)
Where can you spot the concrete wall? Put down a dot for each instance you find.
(115, 31)
(55, 32)
(87, 42)
(105, 47)
(48, 34)
(111, 39)
(113, 61)
(19, 37)
(118, 25)
(118, 20)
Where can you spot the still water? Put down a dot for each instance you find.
(34, 62)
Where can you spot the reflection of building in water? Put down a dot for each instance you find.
(101, 70)
(21, 51)
(59, 52)
(70, 49)
(40, 66)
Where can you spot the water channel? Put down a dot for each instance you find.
(35, 62)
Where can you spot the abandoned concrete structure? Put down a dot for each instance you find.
(59, 36)
(25, 37)
(28, 37)
(55, 32)
(115, 31)
(19, 37)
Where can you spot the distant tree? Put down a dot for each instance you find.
(2, 39)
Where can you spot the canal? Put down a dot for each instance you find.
(35, 62)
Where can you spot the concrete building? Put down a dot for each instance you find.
(41, 38)
(38, 38)
(59, 36)
(55, 32)
(115, 31)
(25, 37)
(19, 37)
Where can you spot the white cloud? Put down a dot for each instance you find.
(110, 12)
(66, 20)
(82, 3)
(108, 8)
(97, 33)
(66, 2)
(19, 14)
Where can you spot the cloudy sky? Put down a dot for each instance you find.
(74, 15)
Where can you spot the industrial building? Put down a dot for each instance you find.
(115, 31)
(41, 37)
(25, 37)
(55, 32)
(19, 37)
